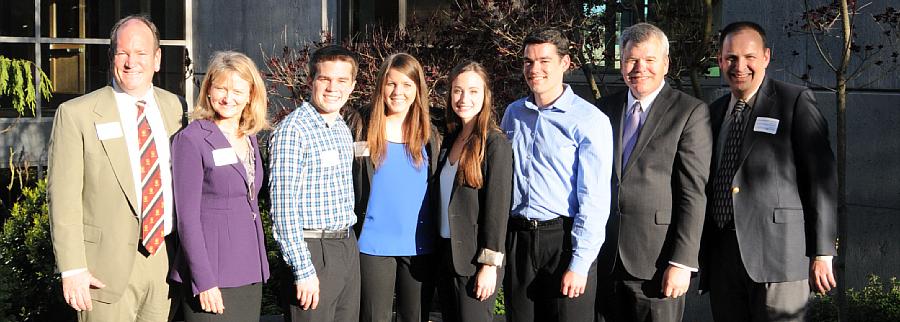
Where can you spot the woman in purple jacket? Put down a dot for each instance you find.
(217, 173)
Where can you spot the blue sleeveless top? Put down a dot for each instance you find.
(398, 223)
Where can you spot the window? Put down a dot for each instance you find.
(69, 41)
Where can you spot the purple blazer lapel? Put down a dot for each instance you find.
(217, 140)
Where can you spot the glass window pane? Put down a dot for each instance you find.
(95, 18)
(168, 16)
(79, 69)
(74, 70)
(17, 51)
(171, 70)
(17, 18)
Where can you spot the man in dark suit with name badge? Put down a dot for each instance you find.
(663, 141)
(770, 228)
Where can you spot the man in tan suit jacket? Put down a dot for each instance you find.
(95, 188)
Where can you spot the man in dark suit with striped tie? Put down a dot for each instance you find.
(770, 226)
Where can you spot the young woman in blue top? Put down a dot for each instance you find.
(393, 169)
(475, 183)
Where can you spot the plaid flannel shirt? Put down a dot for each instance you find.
(311, 183)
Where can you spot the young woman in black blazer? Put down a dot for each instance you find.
(474, 187)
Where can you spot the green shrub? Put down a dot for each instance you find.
(276, 291)
(875, 302)
(29, 285)
(500, 303)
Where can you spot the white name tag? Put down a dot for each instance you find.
(329, 158)
(361, 149)
(766, 125)
(106, 131)
(224, 156)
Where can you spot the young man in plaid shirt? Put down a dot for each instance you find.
(311, 189)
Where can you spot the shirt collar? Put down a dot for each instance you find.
(319, 119)
(647, 101)
(562, 103)
(750, 99)
(123, 97)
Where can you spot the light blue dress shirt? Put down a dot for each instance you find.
(563, 166)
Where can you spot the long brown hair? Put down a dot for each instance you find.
(416, 126)
(473, 150)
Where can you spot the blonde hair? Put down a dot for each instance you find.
(223, 64)
(416, 126)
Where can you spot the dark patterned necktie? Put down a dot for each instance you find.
(152, 225)
(723, 199)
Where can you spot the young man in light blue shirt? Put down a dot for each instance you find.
(561, 190)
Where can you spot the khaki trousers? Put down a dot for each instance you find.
(146, 299)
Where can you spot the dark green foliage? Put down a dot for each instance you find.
(500, 303)
(29, 285)
(275, 293)
(876, 302)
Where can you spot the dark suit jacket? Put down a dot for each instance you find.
(478, 217)
(658, 200)
(222, 240)
(785, 208)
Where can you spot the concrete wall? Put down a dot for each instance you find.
(25, 140)
(256, 27)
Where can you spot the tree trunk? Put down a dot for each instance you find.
(707, 34)
(589, 76)
(841, 75)
(609, 33)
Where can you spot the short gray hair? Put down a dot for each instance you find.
(643, 32)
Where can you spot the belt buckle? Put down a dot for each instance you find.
(533, 223)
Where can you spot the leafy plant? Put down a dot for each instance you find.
(17, 82)
(876, 302)
(29, 286)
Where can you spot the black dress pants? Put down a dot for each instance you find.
(629, 299)
(735, 297)
(411, 278)
(457, 292)
(536, 260)
(241, 304)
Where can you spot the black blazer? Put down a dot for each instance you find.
(363, 168)
(478, 217)
(658, 197)
(785, 208)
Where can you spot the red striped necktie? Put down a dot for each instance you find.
(152, 205)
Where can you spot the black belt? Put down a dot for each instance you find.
(326, 234)
(522, 223)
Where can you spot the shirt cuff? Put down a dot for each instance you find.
(683, 266)
(490, 257)
(72, 272)
(579, 265)
(825, 258)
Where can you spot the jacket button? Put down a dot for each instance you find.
(735, 190)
